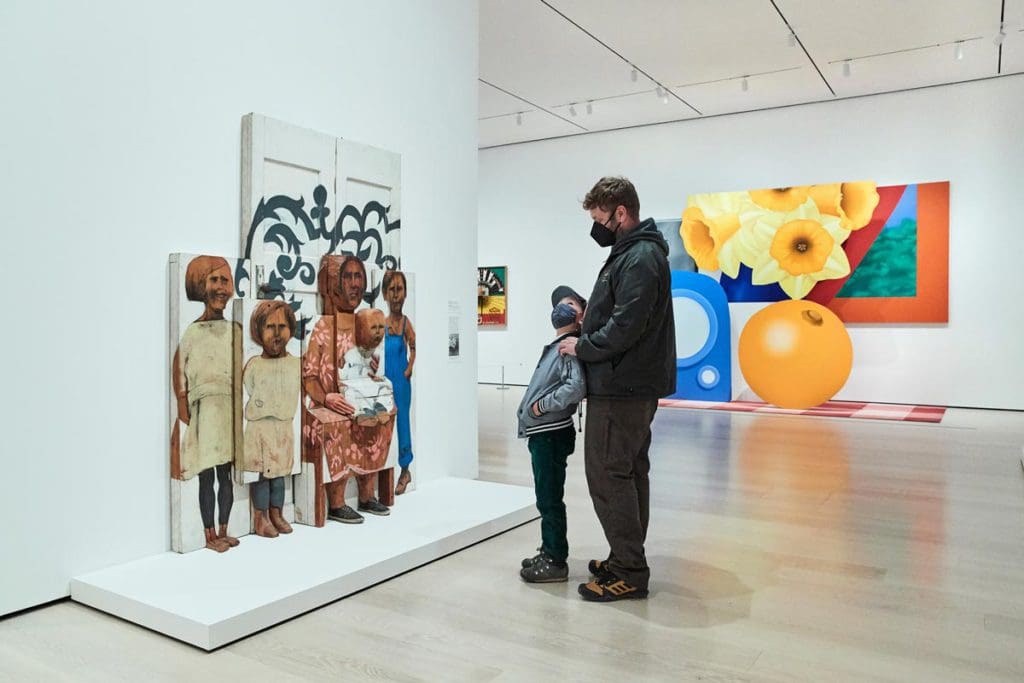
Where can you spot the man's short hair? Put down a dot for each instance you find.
(611, 192)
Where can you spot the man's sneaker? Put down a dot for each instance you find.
(545, 570)
(375, 507)
(610, 588)
(528, 561)
(345, 514)
(599, 569)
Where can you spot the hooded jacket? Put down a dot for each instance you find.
(557, 387)
(628, 344)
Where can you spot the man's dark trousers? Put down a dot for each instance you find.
(618, 438)
(549, 452)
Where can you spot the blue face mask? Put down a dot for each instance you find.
(563, 315)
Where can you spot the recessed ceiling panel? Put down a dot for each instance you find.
(763, 91)
(689, 41)
(536, 125)
(529, 50)
(494, 102)
(915, 69)
(839, 30)
(630, 110)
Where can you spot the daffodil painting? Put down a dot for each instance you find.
(870, 253)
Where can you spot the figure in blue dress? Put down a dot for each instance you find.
(399, 357)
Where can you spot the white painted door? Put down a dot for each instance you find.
(369, 204)
(288, 181)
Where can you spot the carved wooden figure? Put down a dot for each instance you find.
(272, 382)
(400, 356)
(339, 437)
(203, 381)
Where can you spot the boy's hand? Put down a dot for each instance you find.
(568, 347)
(535, 409)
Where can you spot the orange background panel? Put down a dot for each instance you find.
(931, 305)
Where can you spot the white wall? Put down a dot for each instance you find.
(120, 144)
(970, 134)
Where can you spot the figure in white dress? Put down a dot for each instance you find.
(367, 389)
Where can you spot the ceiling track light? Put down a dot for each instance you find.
(659, 92)
(519, 119)
(633, 75)
(745, 84)
(959, 52)
(590, 107)
(1001, 36)
(664, 97)
(792, 39)
(572, 109)
(847, 68)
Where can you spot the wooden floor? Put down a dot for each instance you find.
(782, 549)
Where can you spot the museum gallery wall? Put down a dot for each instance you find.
(927, 303)
(291, 366)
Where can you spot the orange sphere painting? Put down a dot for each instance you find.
(795, 354)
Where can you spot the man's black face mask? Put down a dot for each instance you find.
(603, 234)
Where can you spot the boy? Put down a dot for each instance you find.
(545, 416)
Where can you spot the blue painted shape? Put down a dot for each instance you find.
(741, 288)
(706, 375)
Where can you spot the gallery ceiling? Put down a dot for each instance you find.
(551, 68)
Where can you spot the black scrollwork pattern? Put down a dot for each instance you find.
(284, 222)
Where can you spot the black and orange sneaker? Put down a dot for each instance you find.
(598, 568)
(609, 588)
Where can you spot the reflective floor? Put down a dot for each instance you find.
(782, 549)
(797, 548)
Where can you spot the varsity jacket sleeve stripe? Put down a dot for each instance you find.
(570, 392)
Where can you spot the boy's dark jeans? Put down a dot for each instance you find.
(549, 452)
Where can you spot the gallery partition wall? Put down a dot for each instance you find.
(121, 150)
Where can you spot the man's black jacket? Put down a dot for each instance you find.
(628, 345)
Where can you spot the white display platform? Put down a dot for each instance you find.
(209, 599)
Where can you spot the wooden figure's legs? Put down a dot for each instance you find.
(386, 486)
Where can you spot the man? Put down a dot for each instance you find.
(627, 347)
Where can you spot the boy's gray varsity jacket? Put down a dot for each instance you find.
(557, 386)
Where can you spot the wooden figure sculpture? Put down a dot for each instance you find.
(331, 430)
(273, 383)
(202, 376)
(370, 394)
(399, 357)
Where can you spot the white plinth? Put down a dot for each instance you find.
(209, 599)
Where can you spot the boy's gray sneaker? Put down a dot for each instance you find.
(545, 570)
(528, 561)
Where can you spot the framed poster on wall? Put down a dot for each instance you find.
(492, 296)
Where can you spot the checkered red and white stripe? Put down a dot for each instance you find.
(864, 411)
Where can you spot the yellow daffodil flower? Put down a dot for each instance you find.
(780, 198)
(709, 221)
(796, 249)
(852, 203)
